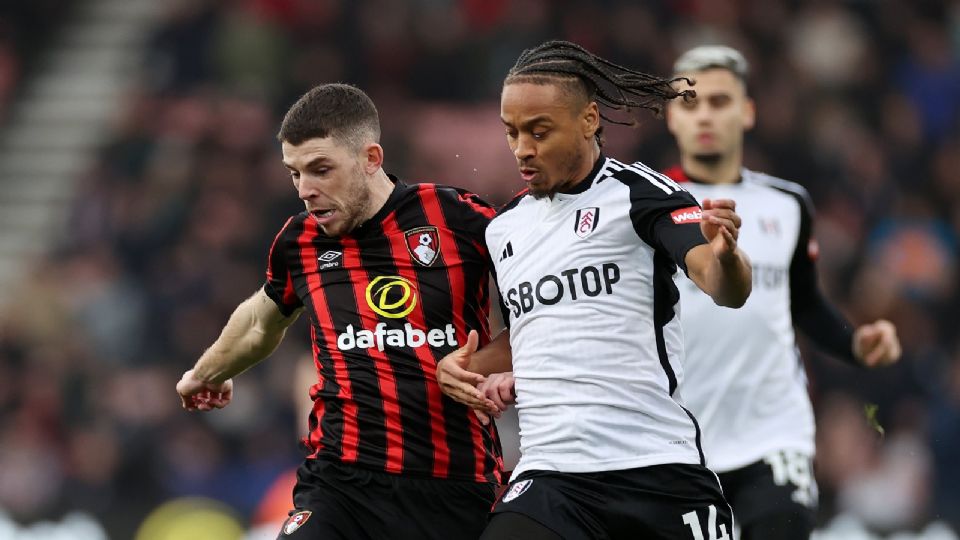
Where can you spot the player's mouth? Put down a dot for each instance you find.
(706, 138)
(528, 174)
(323, 215)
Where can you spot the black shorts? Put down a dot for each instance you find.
(672, 501)
(775, 497)
(340, 502)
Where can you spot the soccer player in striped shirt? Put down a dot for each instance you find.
(391, 276)
(744, 380)
(585, 260)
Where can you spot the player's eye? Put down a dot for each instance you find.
(719, 101)
(540, 135)
(511, 133)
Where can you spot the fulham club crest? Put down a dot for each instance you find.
(517, 489)
(423, 243)
(586, 221)
(295, 521)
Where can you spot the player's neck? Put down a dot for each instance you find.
(586, 166)
(380, 189)
(725, 170)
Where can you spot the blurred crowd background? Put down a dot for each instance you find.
(858, 100)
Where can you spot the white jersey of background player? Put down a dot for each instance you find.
(743, 377)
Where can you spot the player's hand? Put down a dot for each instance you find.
(197, 395)
(460, 384)
(877, 344)
(720, 225)
(500, 389)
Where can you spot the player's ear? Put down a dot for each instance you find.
(373, 158)
(749, 114)
(590, 119)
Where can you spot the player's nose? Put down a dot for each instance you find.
(307, 189)
(525, 148)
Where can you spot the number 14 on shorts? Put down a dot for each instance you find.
(692, 520)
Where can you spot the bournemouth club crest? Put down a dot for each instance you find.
(586, 221)
(296, 521)
(423, 243)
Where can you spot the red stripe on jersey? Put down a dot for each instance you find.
(486, 211)
(315, 436)
(676, 174)
(438, 428)
(454, 264)
(451, 257)
(388, 383)
(289, 293)
(308, 256)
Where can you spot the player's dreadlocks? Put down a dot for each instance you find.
(609, 84)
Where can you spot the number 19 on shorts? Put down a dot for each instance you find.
(692, 520)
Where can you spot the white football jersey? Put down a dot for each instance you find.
(586, 280)
(743, 377)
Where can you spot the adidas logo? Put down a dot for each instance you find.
(507, 252)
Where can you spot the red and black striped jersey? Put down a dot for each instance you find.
(386, 303)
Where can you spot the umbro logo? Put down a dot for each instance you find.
(330, 259)
(507, 252)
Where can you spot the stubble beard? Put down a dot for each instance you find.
(571, 164)
(355, 209)
(710, 159)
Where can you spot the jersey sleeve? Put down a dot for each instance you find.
(664, 215)
(812, 313)
(677, 239)
(279, 284)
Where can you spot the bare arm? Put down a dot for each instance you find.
(459, 373)
(720, 268)
(253, 331)
(494, 357)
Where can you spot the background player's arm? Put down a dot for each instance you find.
(253, 331)
(871, 345)
(720, 268)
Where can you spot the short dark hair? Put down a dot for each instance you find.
(578, 71)
(341, 111)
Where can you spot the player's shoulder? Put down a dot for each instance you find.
(639, 177)
(513, 208)
(629, 171)
(772, 182)
(294, 224)
(779, 185)
(456, 198)
(289, 231)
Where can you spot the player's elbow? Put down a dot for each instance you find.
(736, 300)
(734, 294)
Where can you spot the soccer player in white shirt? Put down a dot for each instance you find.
(585, 259)
(744, 381)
